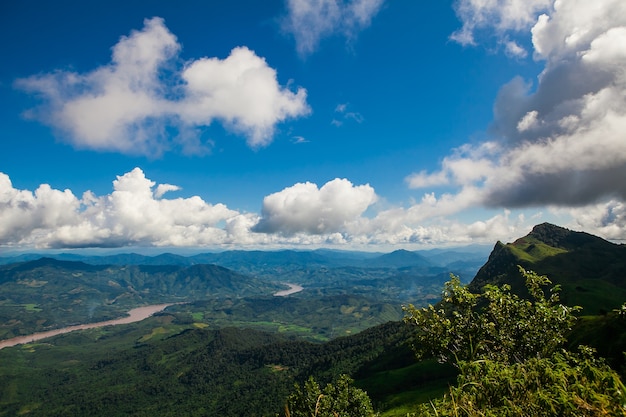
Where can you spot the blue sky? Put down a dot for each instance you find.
(361, 124)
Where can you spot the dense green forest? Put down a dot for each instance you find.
(344, 292)
(238, 350)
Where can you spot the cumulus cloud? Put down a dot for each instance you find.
(560, 142)
(137, 213)
(131, 104)
(133, 214)
(309, 21)
(514, 50)
(304, 207)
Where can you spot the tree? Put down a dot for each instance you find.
(340, 399)
(508, 351)
(495, 324)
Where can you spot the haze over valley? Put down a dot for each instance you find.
(319, 207)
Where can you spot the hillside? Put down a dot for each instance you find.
(159, 367)
(49, 293)
(239, 352)
(345, 292)
(590, 270)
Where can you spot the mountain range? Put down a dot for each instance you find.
(213, 356)
(235, 258)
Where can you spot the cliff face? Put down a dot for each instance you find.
(590, 270)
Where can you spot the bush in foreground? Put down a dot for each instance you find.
(508, 351)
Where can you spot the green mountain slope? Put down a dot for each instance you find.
(186, 362)
(157, 368)
(48, 293)
(590, 270)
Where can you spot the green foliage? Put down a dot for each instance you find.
(506, 349)
(590, 270)
(340, 399)
(564, 385)
(495, 325)
(606, 334)
(46, 294)
(161, 367)
(315, 318)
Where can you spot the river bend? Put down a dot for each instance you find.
(134, 315)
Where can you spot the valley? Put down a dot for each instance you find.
(237, 339)
(345, 292)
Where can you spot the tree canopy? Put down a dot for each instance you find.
(509, 353)
(340, 399)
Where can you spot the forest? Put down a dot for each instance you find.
(255, 354)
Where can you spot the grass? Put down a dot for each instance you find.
(532, 250)
(157, 331)
(596, 295)
(405, 403)
(197, 316)
(398, 392)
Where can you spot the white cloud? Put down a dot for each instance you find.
(164, 188)
(574, 26)
(136, 213)
(309, 21)
(466, 166)
(341, 107)
(423, 179)
(304, 207)
(128, 105)
(342, 114)
(606, 219)
(528, 121)
(133, 214)
(496, 17)
(242, 91)
(299, 139)
(424, 224)
(562, 144)
(514, 50)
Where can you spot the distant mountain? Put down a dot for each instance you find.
(167, 281)
(257, 259)
(48, 293)
(344, 255)
(398, 259)
(471, 255)
(283, 258)
(590, 270)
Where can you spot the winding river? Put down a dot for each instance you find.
(136, 314)
(293, 288)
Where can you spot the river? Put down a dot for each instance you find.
(136, 314)
(293, 288)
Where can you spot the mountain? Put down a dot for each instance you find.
(186, 361)
(145, 281)
(590, 270)
(256, 259)
(49, 293)
(398, 259)
(467, 255)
